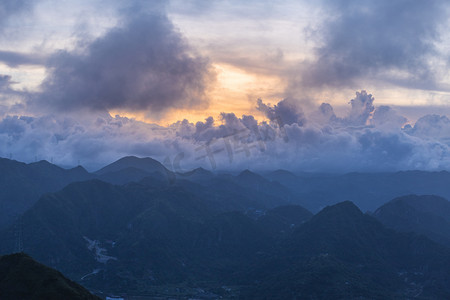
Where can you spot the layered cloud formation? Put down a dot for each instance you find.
(142, 64)
(368, 138)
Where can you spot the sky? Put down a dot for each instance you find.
(323, 86)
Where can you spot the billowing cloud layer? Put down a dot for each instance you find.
(384, 41)
(142, 64)
(368, 138)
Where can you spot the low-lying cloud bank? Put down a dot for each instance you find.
(368, 138)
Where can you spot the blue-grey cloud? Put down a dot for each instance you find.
(15, 59)
(385, 116)
(142, 64)
(11, 8)
(362, 108)
(367, 138)
(382, 41)
(431, 127)
(6, 84)
(285, 112)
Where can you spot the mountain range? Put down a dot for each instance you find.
(343, 254)
(136, 228)
(367, 190)
(22, 184)
(140, 239)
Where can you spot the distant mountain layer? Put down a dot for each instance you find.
(23, 278)
(427, 215)
(367, 190)
(141, 238)
(136, 227)
(21, 184)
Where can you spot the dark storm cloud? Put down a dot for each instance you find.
(144, 64)
(385, 41)
(15, 59)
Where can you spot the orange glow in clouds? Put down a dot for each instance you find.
(234, 91)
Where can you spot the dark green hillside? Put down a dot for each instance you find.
(23, 278)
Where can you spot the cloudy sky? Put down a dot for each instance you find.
(334, 86)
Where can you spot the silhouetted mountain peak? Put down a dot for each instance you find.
(340, 220)
(428, 215)
(21, 184)
(135, 159)
(246, 172)
(146, 164)
(424, 203)
(202, 171)
(196, 173)
(342, 230)
(346, 209)
(249, 175)
(282, 174)
(79, 169)
(41, 163)
(7, 161)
